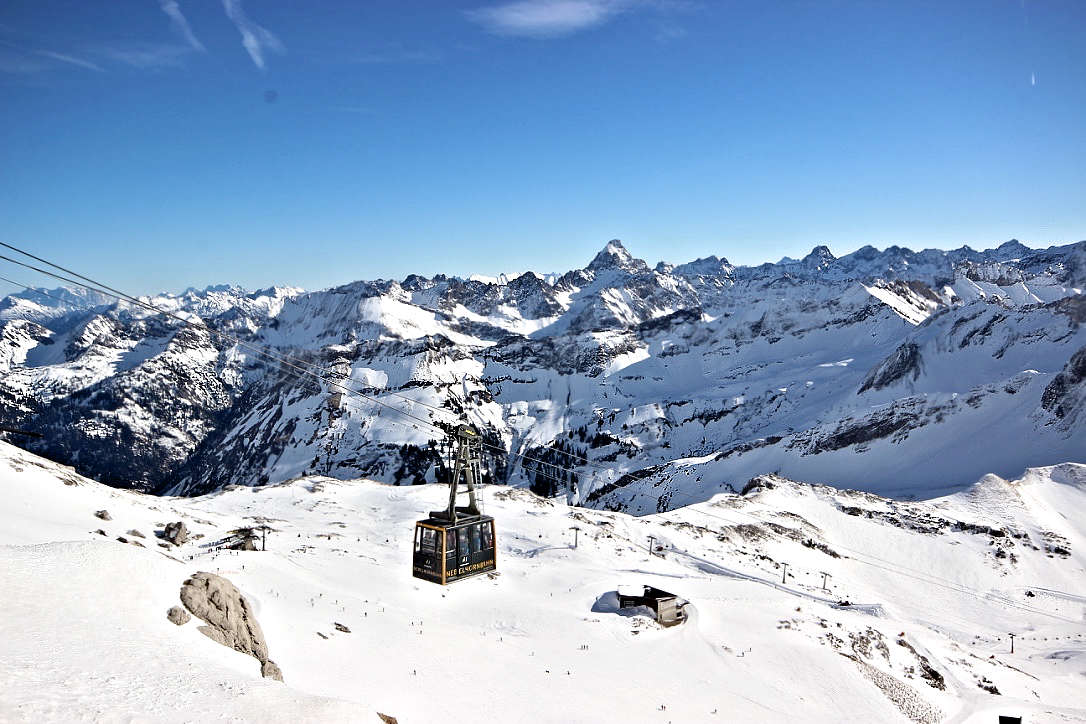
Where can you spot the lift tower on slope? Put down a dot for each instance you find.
(466, 474)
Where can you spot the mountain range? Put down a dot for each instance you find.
(618, 385)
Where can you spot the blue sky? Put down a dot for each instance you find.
(167, 143)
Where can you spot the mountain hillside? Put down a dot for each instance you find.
(840, 604)
(617, 385)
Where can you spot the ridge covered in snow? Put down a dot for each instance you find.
(617, 385)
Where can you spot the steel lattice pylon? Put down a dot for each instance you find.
(467, 467)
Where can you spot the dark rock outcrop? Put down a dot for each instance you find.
(903, 363)
(1065, 395)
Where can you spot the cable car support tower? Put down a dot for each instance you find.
(465, 475)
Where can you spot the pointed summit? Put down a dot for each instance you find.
(615, 256)
(819, 258)
(1013, 249)
(821, 252)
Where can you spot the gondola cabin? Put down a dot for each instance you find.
(447, 551)
(457, 542)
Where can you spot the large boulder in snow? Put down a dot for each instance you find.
(176, 533)
(231, 621)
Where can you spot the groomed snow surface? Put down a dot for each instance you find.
(85, 636)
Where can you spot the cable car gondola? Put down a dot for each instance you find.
(457, 542)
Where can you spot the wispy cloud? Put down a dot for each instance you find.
(25, 61)
(547, 18)
(254, 38)
(180, 23)
(72, 60)
(396, 54)
(148, 56)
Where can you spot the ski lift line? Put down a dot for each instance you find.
(858, 553)
(844, 548)
(937, 580)
(120, 296)
(928, 578)
(941, 582)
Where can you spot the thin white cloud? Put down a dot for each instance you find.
(180, 23)
(254, 38)
(149, 56)
(547, 18)
(70, 60)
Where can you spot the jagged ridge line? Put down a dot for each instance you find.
(302, 367)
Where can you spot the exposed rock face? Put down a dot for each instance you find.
(1065, 395)
(178, 615)
(176, 533)
(103, 514)
(904, 362)
(231, 621)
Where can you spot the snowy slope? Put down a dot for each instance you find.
(935, 586)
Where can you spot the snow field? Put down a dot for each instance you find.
(87, 638)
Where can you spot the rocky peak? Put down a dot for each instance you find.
(1013, 249)
(820, 257)
(709, 266)
(615, 256)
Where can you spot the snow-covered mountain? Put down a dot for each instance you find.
(838, 604)
(897, 372)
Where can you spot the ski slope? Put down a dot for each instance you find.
(86, 637)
